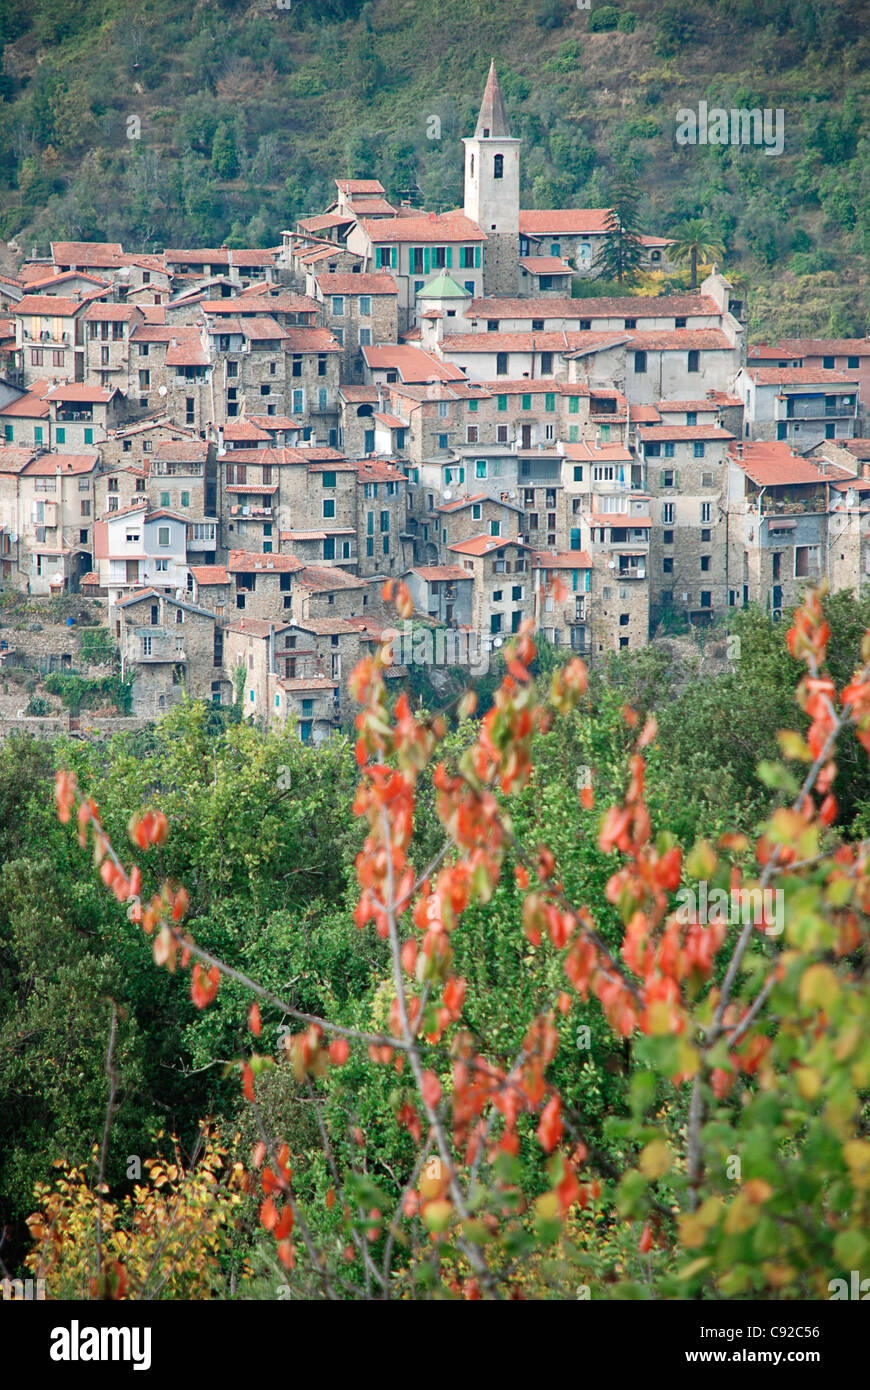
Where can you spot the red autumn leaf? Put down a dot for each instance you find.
(254, 1022)
(339, 1051)
(644, 1245)
(550, 1128)
(430, 1089)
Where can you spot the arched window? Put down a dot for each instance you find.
(498, 166)
(179, 615)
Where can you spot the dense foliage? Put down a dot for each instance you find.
(247, 112)
(262, 835)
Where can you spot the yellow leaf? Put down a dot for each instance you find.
(656, 1159)
(819, 987)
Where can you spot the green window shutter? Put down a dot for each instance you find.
(573, 405)
(462, 475)
(549, 401)
(526, 403)
(573, 434)
(449, 257)
(502, 402)
(477, 258)
(393, 257)
(426, 260)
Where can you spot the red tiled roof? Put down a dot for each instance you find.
(680, 340)
(95, 395)
(680, 407)
(797, 376)
(31, 405)
(96, 253)
(412, 364)
(482, 545)
(52, 305)
(423, 228)
(653, 432)
(561, 560)
(359, 186)
(381, 282)
(605, 453)
(111, 313)
(568, 221)
(309, 340)
(249, 561)
(545, 265)
(62, 463)
(812, 347)
(209, 574)
(769, 463)
(439, 573)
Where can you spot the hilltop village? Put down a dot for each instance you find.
(233, 448)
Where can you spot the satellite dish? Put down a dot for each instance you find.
(448, 494)
(161, 390)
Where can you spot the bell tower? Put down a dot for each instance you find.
(492, 190)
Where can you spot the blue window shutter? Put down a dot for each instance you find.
(575, 538)
(426, 260)
(477, 257)
(393, 260)
(449, 257)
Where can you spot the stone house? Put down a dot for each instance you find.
(503, 594)
(799, 405)
(170, 645)
(359, 311)
(686, 472)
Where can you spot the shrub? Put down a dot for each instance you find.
(607, 17)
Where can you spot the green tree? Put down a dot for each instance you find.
(694, 241)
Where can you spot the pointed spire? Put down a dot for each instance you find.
(492, 121)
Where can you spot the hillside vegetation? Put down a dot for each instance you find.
(244, 113)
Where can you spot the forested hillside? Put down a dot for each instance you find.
(168, 124)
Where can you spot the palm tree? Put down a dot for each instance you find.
(694, 241)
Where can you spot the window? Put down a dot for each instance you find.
(321, 364)
(161, 566)
(668, 514)
(365, 337)
(640, 363)
(338, 305)
(705, 511)
(144, 380)
(37, 434)
(328, 507)
(652, 450)
(60, 435)
(694, 364)
(546, 364)
(852, 362)
(365, 306)
(706, 534)
(667, 537)
(706, 598)
(480, 468)
(471, 433)
(691, 417)
(828, 363)
(163, 535)
(501, 364)
(498, 166)
(550, 401)
(623, 620)
(164, 499)
(698, 449)
(89, 435)
(667, 477)
(385, 521)
(705, 564)
(86, 506)
(668, 564)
